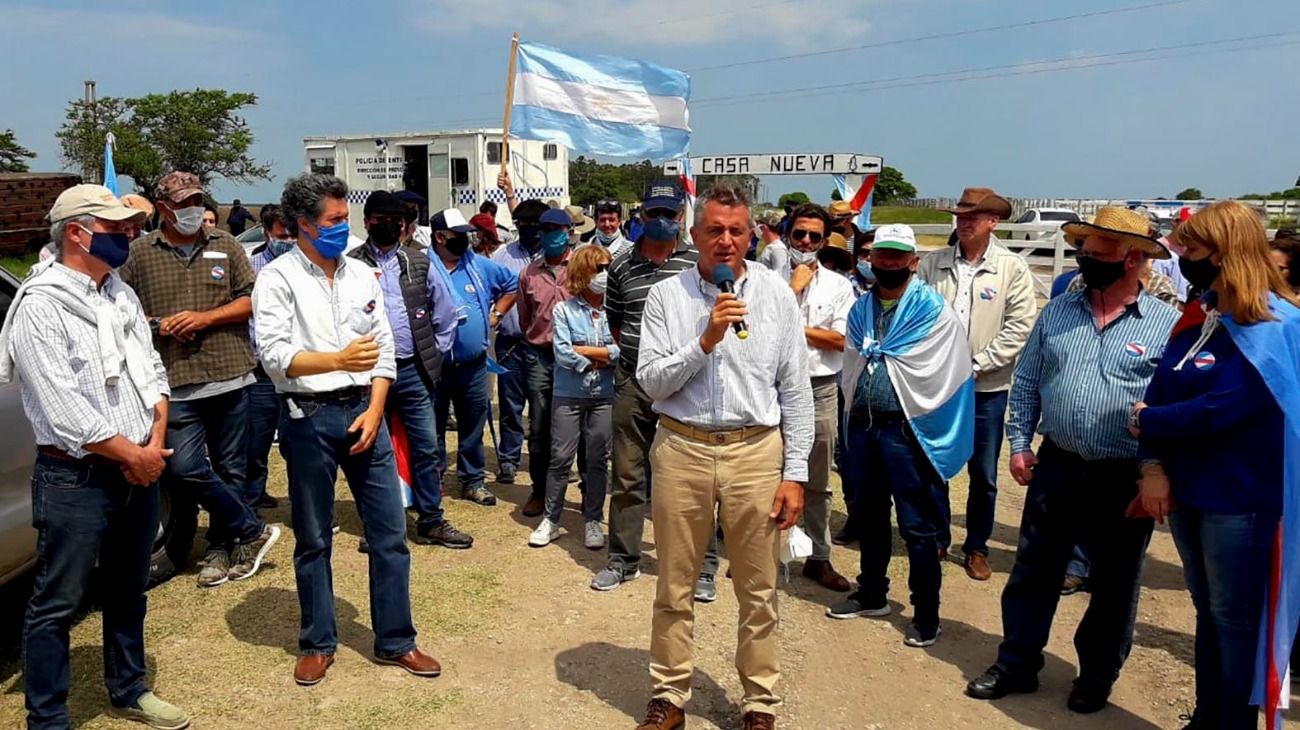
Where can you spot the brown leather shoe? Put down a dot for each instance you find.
(759, 721)
(414, 661)
(977, 567)
(663, 715)
(533, 507)
(311, 668)
(822, 572)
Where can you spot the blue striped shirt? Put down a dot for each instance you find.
(1076, 384)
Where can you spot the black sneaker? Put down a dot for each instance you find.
(1088, 696)
(844, 537)
(995, 684)
(506, 474)
(443, 534)
(1198, 721)
(479, 494)
(855, 606)
(266, 501)
(706, 589)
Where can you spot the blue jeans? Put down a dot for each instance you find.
(315, 446)
(1069, 502)
(1226, 561)
(463, 384)
(1079, 565)
(512, 394)
(210, 440)
(887, 462)
(86, 515)
(990, 417)
(409, 399)
(263, 416)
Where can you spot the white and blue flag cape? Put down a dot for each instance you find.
(928, 360)
(602, 105)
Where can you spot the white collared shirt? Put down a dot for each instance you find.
(297, 310)
(966, 271)
(825, 304)
(759, 381)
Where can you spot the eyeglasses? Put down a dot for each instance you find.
(800, 234)
(659, 213)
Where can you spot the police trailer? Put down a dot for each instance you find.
(449, 169)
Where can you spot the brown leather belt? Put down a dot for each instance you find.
(715, 438)
(88, 459)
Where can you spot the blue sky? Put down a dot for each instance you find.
(1224, 122)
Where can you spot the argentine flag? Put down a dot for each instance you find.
(601, 105)
(929, 364)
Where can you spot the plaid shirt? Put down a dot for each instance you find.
(215, 274)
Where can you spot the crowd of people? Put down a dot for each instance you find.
(697, 379)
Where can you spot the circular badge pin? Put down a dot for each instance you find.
(218, 273)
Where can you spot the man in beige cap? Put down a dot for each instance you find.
(196, 286)
(773, 253)
(992, 292)
(100, 429)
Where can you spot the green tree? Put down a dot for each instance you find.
(199, 131)
(13, 156)
(835, 194)
(795, 198)
(1189, 194)
(892, 186)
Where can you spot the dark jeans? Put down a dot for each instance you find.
(541, 382)
(512, 394)
(409, 399)
(463, 384)
(981, 500)
(315, 446)
(264, 406)
(634, 430)
(210, 440)
(1072, 501)
(1226, 561)
(574, 422)
(887, 462)
(86, 515)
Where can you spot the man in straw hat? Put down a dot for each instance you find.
(1088, 360)
(96, 393)
(992, 292)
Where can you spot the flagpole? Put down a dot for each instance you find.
(510, 101)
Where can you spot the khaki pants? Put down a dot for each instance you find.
(817, 492)
(691, 480)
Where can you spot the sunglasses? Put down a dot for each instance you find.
(812, 236)
(659, 213)
(601, 267)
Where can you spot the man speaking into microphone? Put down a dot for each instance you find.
(735, 430)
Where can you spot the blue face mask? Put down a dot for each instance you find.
(331, 241)
(662, 229)
(864, 270)
(554, 243)
(111, 248)
(279, 246)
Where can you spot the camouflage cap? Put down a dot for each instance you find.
(177, 186)
(770, 217)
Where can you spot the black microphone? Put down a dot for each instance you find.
(725, 279)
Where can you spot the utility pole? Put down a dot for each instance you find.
(93, 110)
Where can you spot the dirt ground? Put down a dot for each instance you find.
(526, 644)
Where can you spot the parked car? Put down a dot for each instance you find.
(178, 517)
(1054, 217)
(251, 239)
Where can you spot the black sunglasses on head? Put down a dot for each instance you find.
(800, 234)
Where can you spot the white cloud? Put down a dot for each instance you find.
(787, 24)
(126, 25)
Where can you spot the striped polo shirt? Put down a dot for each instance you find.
(630, 278)
(1076, 384)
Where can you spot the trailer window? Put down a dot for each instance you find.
(550, 152)
(459, 171)
(322, 165)
(494, 153)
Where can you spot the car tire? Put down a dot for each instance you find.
(178, 522)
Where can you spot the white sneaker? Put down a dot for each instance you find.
(545, 534)
(595, 538)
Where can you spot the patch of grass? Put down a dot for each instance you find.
(18, 265)
(912, 216)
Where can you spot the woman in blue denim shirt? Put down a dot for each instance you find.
(585, 355)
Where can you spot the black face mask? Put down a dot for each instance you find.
(385, 234)
(1100, 275)
(1200, 273)
(530, 236)
(458, 246)
(891, 278)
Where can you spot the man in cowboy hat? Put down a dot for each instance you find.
(992, 292)
(1088, 360)
(842, 215)
(582, 223)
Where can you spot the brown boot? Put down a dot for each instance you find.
(414, 661)
(759, 721)
(533, 507)
(663, 715)
(977, 567)
(825, 575)
(311, 668)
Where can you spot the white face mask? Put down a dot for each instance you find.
(188, 220)
(599, 283)
(606, 238)
(803, 258)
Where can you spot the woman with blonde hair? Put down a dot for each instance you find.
(585, 355)
(1220, 456)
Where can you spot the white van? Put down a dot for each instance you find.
(449, 169)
